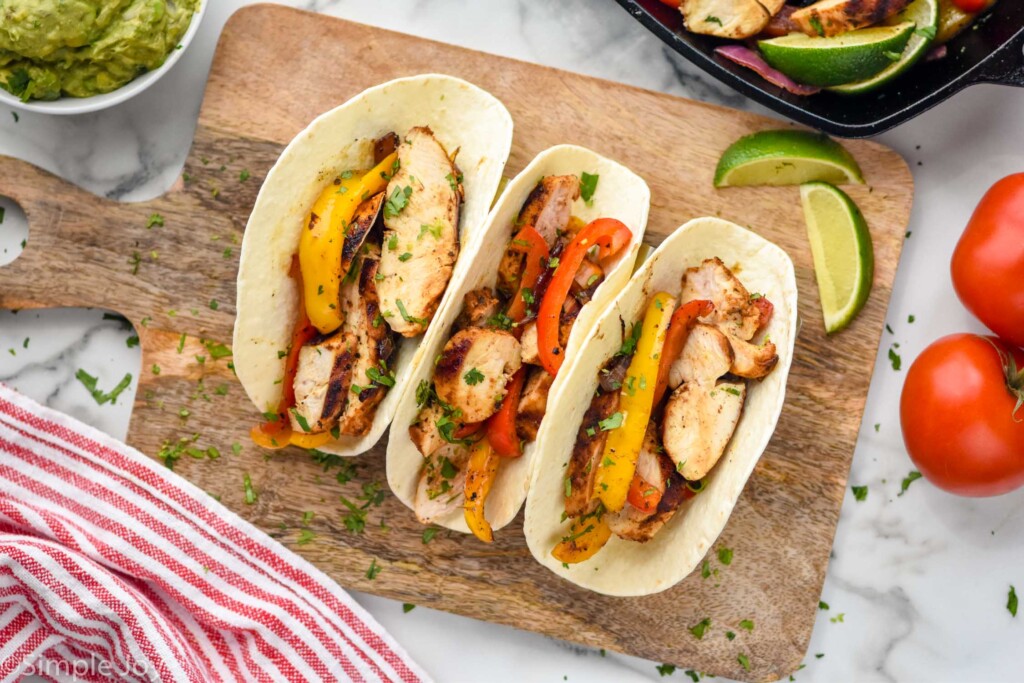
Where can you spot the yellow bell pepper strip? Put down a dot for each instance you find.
(481, 471)
(587, 535)
(610, 236)
(636, 401)
(323, 237)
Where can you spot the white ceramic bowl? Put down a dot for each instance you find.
(82, 105)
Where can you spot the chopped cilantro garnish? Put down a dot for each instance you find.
(701, 626)
(214, 305)
(666, 669)
(822, 605)
(568, 487)
(132, 341)
(613, 421)
(725, 556)
(244, 175)
(860, 493)
(373, 571)
(405, 314)
(895, 359)
(407, 607)
(473, 377)
(405, 257)
(429, 533)
(743, 660)
(397, 202)
(250, 492)
(300, 418)
(907, 481)
(384, 379)
(747, 624)
(155, 220)
(629, 343)
(89, 382)
(1011, 601)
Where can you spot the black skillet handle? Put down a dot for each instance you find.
(1006, 67)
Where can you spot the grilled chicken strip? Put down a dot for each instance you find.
(322, 378)
(706, 356)
(533, 403)
(735, 314)
(547, 209)
(374, 345)
(729, 18)
(629, 522)
(355, 235)
(698, 424)
(752, 361)
(421, 240)
(528, 343)
(473, 370)
(586, 453)
(478, 306)
(442, 483)
(423, 432)
(833, 17)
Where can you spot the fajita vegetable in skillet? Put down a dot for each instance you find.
(558, 247)
(674, 397)
(358, 233)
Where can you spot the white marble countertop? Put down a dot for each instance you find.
(918, 582)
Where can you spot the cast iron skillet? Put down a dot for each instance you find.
(990, 52)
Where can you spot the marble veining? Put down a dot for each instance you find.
(916, 589)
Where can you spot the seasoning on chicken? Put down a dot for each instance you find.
(371, 378)
(423, 432)
(473, 370)
(586, 453)
(357, 232)
(322, 377)
(706, 356)
(833, 17)
(478, 307)
(735, 313)
(547, 209)
(751, 360)
(698, 424)
(421, 240)
(533, 403)
(442, 482)
(729, 18)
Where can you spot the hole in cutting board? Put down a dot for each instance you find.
(42, 351)
(13, 230)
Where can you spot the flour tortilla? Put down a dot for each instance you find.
(628, 568)
(620, 194)
(462, 116)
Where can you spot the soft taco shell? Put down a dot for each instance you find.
(462, 116)
(620, 194)
(628, 568)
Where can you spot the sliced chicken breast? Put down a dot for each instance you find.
(421, 239)
(629, 522)
(533, 403)
(586, 453)
(322, 378)
(698, 424)
(528, 342)
(729, 18)
(735, 314)
(833, 17)
(706, 356)
(478, 306)
(752, 361)
(547, 209)
(371, 377)
(423, 432)
(473, 370)
(442, 483)
(359, 229)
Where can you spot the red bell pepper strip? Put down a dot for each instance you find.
(501, 427)
(765, 309)
(467, 430)
(642, 495)
(530, 242)
(683, 320)
(610, 236)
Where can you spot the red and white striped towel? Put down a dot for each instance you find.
(113, 568)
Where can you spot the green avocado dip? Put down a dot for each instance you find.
(50, 48)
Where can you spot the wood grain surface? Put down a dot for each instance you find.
(266, 84)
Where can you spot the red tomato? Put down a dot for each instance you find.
(962, 415)
(988, 264)
(972, 6)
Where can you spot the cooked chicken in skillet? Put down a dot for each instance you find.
(421, 240)
(729, 18)
(474, 368)
(832, 17)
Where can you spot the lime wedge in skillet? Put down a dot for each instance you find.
(844, 262)
(925, 15)
(785, 157)
(853, 56)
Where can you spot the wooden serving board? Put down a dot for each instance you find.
(277, 68)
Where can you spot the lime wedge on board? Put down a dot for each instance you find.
(925, 16)
(844, 262)
(853, 56)
(785, 157)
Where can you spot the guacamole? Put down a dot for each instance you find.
(50, 48)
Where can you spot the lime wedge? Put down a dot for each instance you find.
(844, 262)
(785, 157)
(853, 56)
(925, 16)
